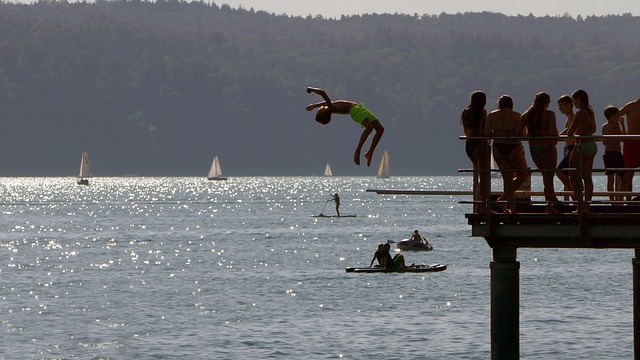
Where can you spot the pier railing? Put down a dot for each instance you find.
(524, 195)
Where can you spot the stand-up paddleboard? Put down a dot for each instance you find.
(334, 216)
(417, 268)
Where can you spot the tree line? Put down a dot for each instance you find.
(158, 88)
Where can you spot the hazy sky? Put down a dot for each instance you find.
(336, 8)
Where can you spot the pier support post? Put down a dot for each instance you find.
(636, 305)
(505, 304)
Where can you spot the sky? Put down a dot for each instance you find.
(337, 8)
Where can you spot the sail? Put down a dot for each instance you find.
(383, 171)
(215, 170)
(327, 171)
(494, 166)
(85, 166)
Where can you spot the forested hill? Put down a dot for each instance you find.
(160, 88)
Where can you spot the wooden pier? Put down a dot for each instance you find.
(609, 225)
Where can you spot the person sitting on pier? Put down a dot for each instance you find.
(508, 153)
(541, 122)
(584, 124)
(612, 158)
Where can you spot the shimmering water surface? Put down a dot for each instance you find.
(132, 268)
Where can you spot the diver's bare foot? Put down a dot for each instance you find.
(368, 157)
(356, 158)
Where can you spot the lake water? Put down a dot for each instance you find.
(132, 268)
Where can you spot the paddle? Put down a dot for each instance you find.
(325, 205)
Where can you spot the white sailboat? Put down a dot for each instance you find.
(383, 171)
(494, 166)
(215, 173)
(327, 171)
(85, 169)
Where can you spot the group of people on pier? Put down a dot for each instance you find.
(506, 128)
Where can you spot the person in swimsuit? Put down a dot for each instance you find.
(358, 113)
(612, 157)
(416, 237)
(631, 147)
(379, 255)
(565, 105)
(508, 153)
(472, 120)
(541, 122)
(584, 124)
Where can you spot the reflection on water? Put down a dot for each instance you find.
(169, 267)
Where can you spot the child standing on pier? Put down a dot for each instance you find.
(583, 125)
(613, 151)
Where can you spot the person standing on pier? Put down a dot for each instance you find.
(541, 127)
(565, 105)
(584, 124)
(472, 120)
(508, 153)
(612, 157)
(631, 147)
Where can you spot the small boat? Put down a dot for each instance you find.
(327, 171)
(383, 171)
(85, 169)
(407, 244)
(215, 173)
(417, 268)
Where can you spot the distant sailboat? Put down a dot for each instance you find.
(494, 166)
(215, 173)
(327, 171)
(85, 169)
(383, 171)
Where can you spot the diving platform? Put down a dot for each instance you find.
(612, 222)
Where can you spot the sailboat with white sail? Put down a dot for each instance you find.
(215, 173)
(85, 169)
(494, 166)
(327, 171)
(383, 171)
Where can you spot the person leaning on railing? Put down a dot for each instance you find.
(472, 120)
(584, 124)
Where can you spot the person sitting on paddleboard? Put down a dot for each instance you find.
(378, 255)
(386, 261)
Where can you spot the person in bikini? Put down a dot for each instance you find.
(541, 122)
(508, 153)
(472, 120)
(631, 147)
(565, 105)
(358, 113)
(584, 124)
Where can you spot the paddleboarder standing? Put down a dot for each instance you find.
(336, 198)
